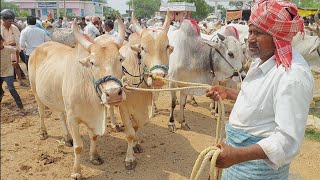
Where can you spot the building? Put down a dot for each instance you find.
(41, 8)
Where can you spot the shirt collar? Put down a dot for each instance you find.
(266, 66)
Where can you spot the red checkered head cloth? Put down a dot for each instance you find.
(281, 20)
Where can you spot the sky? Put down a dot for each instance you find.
(121, 5)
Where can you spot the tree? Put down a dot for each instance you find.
(23, 13)
(307, 3)
(110, 12)
(237, 4)
(143, 8)
(9, 5)
(202, 8)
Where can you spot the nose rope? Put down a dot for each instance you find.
(98, 82)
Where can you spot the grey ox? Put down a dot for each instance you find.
(197, 60)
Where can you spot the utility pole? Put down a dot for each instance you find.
(65, 9)
(58, 10)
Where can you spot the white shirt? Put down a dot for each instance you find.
(32, 37)
(274, 103)
(112, 33)
(91, 30)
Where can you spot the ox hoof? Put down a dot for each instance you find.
(131, 165)
(43, 135)
(76, 176)
(172, 127)
(185, 126)
(137, 149)
(117, 128)
(193, 103)
(96, 160)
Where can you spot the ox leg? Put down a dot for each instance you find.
(183, 98)
(43, 129)
(153, 109)
(130, 161)
(171, 125)
(77, 145)
(114, 125)
(94, 156)
(191, 100)
(136, 146)
(66, 136)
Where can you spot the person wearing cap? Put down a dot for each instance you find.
(267, 124)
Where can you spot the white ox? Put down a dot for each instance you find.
(309, 47)
(146, 52)
(77, 83)
(193, 60)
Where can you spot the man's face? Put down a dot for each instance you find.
(260, 43)
(8, 22)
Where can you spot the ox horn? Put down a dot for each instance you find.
(316, 17)
(136, 24)
(166, 24)
(122, 31)
(83, 41)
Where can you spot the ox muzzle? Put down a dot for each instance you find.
(111, 95)
(158, 70)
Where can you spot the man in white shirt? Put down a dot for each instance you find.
(32, 37)
(266, 126)
(108, 26)
(91, 29)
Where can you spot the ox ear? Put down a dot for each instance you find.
(315, 46)
(85, 61)
(171, 48)
(136, 48)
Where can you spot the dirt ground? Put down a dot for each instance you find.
(166, 155)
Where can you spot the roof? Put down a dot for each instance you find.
(178, 6)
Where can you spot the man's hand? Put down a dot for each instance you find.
(217, 91)
(15, 64)
(227, 156)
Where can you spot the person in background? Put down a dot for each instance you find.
(91, 29)
(32, 37)
(59, 22)
(11, 35)
(266, 126)
(82, 23)
(7, 73)
(108, 25)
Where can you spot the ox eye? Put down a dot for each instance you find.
(231, 54)
(91, 63)
(168, 46)
(121, 59)
(142, 48)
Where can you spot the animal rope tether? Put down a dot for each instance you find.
(211, 152)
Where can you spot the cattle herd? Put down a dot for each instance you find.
(85, 79)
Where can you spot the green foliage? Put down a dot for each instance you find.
(23, 13)
(307, 3)
(237, 4)
(203, 9)
(70, 16)
(110, 12)
(143, 8)
(9, 5)
(312, 134)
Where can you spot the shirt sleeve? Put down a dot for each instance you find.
(291, 106)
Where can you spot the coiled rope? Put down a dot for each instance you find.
(211, 152)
